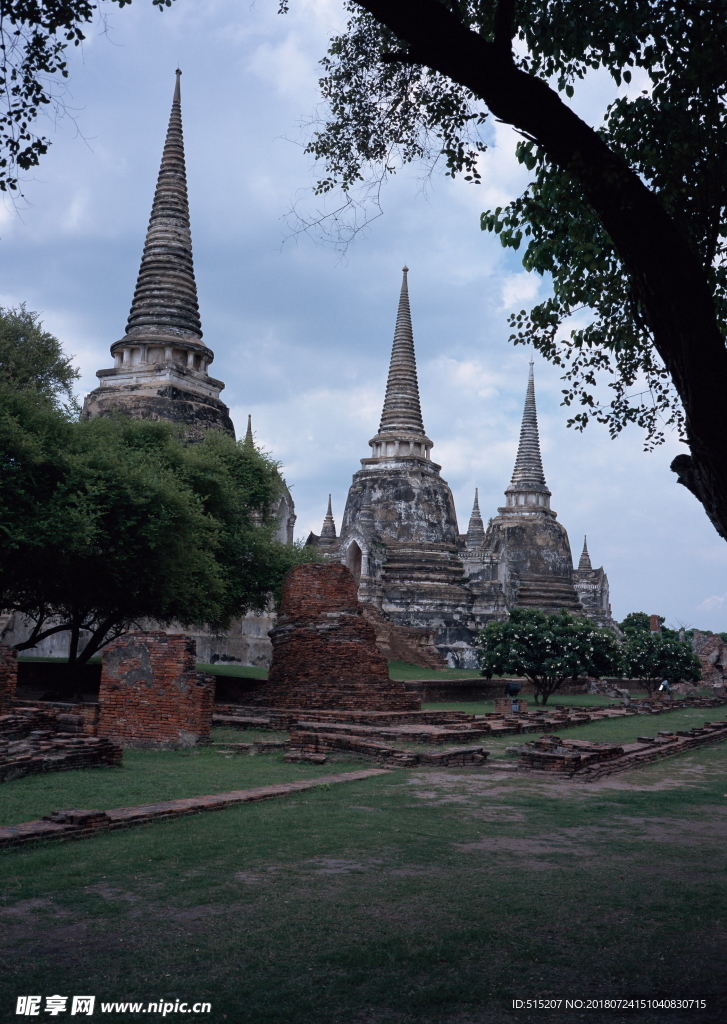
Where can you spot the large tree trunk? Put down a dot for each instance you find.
(671, 283)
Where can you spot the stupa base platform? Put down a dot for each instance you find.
(334, 696)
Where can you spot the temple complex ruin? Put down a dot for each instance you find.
(400, 538)
(426, 588)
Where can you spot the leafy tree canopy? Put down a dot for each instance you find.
(640, 622)
(652, 657)
(113, 522)
(672, 132)
(627, 217)
(546, 649)
(31, 359)
(636, 622)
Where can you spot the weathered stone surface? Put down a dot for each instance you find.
(711, 650)
(404, 643)
(324, 650)
(8, 675)
(151, 694)
(591, 586)
(156, 399)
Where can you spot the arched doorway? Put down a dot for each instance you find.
(353, 561)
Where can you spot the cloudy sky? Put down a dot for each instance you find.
(302, 334)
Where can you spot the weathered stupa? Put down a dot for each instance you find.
(160, 365)
(592, 589)
(524, 537)
(400, 539)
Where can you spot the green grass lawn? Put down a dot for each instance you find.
(419, 896)
(432, 896)
(149, 775)
(240, 671)
(398, 670)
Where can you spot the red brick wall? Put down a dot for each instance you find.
(8, 674)
(324, 650)
(151, 694)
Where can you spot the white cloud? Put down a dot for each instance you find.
(520, 289)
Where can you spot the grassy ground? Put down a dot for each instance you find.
(240, 671)
(419, 896)
(398, 670)
(149, 775)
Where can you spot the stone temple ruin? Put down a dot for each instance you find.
(400, 539)
(426, 587)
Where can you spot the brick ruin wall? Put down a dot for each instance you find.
(8, 675)
(712, 653)
(324, 650)
(151, 694)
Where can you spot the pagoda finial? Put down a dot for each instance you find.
(528, 487)
(585, 559)
(248, 441)
(165, 301)
(402, 411)
(476, 529)
(401, 430)
(328, 529)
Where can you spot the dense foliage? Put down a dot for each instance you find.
(653, 657)
(110, 523)
(31, 359)
(547, 649)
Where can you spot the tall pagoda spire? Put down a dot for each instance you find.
(401, 431)
(248, 441)
(528, 489)
(165, 300)
(585, 559)
(160, 365)
(476, 528)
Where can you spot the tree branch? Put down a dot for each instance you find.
(668, 277)
(504, 27)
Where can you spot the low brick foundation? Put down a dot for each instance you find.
(8, 675)
(582, 760)
(79, 824)
(324, 649)
(48, 751)
(151, 694)
(310, 742)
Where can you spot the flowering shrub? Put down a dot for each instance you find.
(651, 657)
(547, 649)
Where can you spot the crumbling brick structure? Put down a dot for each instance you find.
(324, 650)
(151, 694)
(8, 675)
(711, 650)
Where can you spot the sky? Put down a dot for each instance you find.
(302, 331)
